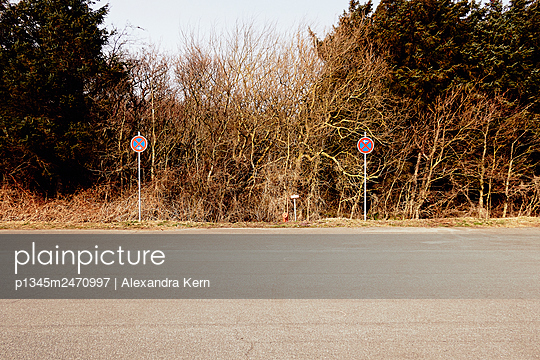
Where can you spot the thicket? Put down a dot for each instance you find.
(236, 124)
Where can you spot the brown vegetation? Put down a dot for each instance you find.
(238, 124)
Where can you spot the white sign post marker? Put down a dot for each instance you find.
(365, 146)
(139, 144)
(294, 197)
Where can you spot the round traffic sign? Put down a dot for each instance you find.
(365, 145)
(139, 143)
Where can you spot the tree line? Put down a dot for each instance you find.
(237, 123)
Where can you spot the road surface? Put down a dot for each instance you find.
(400, 294)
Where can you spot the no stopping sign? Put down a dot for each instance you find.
(139, 143)
(365, 145)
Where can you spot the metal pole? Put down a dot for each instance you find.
(365, 182)
(139, 177)
(294, 200)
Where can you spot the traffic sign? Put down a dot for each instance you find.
(139, 143)
(365, 145)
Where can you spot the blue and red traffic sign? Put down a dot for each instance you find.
(365, 145)
(139, 143)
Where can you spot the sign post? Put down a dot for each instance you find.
(365, 146)
(294, 197)
(139, 144)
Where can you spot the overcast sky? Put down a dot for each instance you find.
(163, 20)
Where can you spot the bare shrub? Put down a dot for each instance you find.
(240, 122)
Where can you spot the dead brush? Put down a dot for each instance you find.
(84, 206)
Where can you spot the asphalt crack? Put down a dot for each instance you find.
(241, 338)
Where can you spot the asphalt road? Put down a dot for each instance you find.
(454, 294)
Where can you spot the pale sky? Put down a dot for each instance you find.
(163, 20)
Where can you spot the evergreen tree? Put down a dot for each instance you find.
(424, 39)
(52, 66)
(504, 52)
(435, 45)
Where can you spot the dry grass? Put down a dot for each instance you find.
(95, 205)
(325, 223)
(89, 206)
(94, 209)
